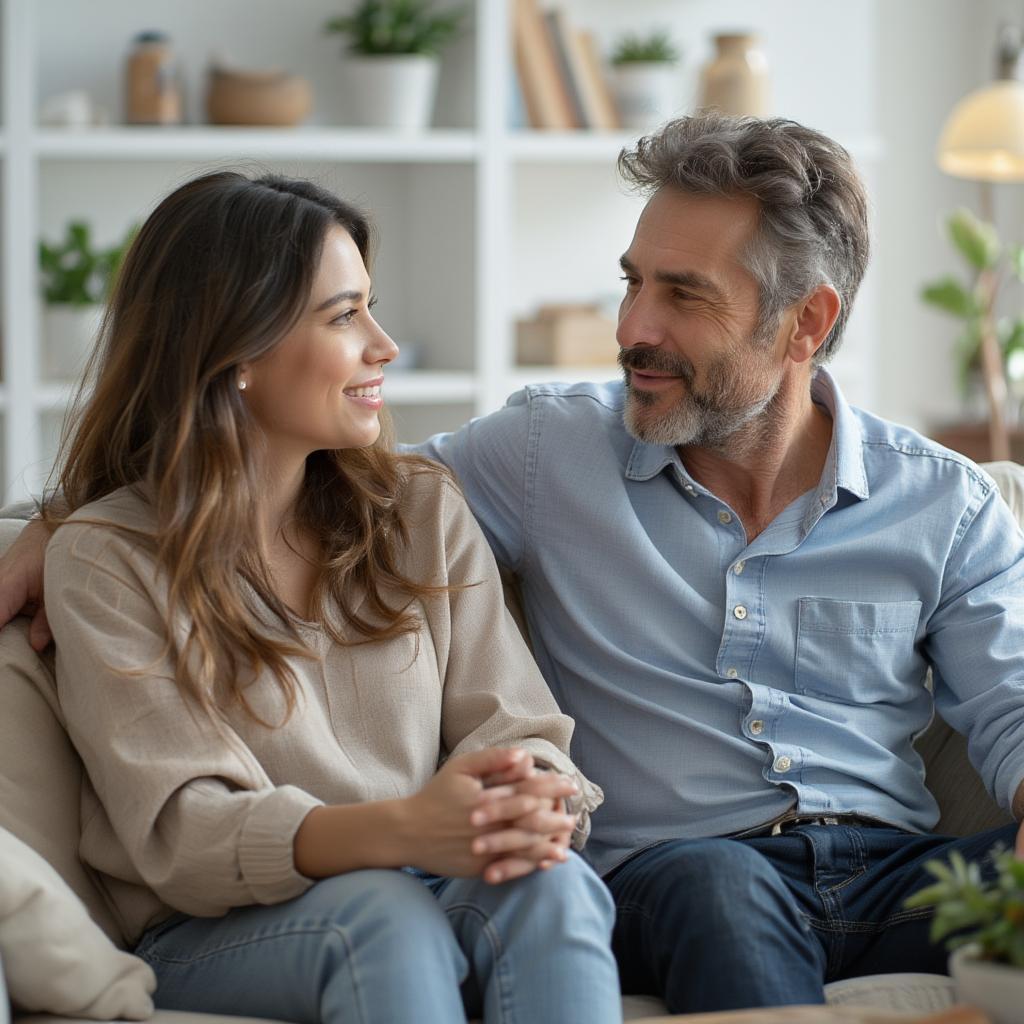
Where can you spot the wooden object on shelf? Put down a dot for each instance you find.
(547, 103)
(566, 335)
(974, 441)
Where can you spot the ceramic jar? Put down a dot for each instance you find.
(152, 84)
(736, 79)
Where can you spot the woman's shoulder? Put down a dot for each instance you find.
(122, 519)
(430, 493)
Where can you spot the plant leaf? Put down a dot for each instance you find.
(976, 240)
(949, 295)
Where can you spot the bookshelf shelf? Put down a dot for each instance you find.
(567, 147)
(203, 142)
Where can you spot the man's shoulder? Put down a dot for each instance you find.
(583, 406)
(583, 396)
(893, 448)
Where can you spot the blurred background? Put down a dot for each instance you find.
(482, 137)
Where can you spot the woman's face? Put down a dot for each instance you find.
(320, 387)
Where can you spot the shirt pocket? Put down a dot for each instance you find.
(856, 652)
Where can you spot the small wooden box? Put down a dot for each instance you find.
(565, 335)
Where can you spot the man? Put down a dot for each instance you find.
(735, 583)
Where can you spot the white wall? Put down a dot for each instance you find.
(930, 53)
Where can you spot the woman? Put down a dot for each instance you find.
(271, 631)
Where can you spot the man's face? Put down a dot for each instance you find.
(695, 369)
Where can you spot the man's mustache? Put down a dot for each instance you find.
(657, 361)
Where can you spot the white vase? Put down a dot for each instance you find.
(395, 92)
(646, 93)
(69, 334)
(998, 989)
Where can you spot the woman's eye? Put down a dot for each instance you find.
(343, 319)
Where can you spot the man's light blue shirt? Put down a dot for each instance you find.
(716, 683)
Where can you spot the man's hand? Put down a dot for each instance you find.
(21, 582)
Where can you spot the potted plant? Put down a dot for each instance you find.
(983, 923)
(392, 61)
(76, 277)
(990, 347)
(645, 79)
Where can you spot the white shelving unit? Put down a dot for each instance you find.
(480, 222)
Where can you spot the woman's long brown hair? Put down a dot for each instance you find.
(218, 274)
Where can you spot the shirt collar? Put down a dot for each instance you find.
(844, 467)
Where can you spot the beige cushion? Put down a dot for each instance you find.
(40, 773)
(55, 957)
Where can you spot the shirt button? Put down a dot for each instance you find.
(757, 727)
(731, 673)
(739, 567)
(740, 611)
(782, 764)
(724, 517)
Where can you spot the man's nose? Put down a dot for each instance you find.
(639, 323)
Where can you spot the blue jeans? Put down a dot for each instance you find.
(390, 947)
(720, 924)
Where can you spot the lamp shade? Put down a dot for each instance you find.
(983, 137)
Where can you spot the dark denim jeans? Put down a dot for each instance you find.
(716, 924)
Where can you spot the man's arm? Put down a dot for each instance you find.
(976, 643)
(489, 457)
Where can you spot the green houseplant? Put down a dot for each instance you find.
(645, 78)
(989, 345)
(76, 276)
(983, 924)
(654, 48)
(391, 60)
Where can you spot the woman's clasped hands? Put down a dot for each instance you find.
(492, 813)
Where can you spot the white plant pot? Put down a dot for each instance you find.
(998, 989)
(69, 334)
(395, 92)
(646, 92)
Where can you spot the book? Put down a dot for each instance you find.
(548, 105)
(592, 81)
(561, 34)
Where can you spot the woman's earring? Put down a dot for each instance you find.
(241, 385)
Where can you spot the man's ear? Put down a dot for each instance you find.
(815, 316)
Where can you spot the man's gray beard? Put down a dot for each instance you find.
(703, 421)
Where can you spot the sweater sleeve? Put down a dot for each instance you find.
(199, 819)
(494, 694)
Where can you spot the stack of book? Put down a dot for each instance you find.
(561, 76)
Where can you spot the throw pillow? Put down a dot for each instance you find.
(55, 958)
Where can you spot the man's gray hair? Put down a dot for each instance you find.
(814, 209)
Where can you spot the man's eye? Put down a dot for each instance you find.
(631, 282)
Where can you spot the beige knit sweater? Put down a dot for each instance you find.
(174, 817)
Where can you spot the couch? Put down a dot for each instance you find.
(59, 939)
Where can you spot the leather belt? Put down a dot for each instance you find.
(776, 828)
